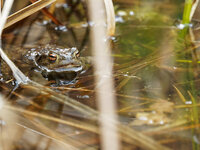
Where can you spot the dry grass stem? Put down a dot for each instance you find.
(4, 14)
(19, 76)
(48, 14)
(180, 94)
(194, 7)
(103, 76)
(27, 11)
(110, 14)
(70, 122)
(127, 134)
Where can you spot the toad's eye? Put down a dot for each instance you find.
(77, 54)
(52, 57)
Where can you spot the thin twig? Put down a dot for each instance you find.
(48, 14)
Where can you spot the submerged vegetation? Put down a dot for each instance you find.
(51, 102)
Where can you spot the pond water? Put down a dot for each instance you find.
(156, 74)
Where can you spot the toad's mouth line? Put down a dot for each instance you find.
(61, 69)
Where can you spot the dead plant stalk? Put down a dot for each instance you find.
(103, 76)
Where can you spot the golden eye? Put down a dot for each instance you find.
(78, 54)
(52, 57)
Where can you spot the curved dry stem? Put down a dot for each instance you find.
(110, 13)
(19, 76)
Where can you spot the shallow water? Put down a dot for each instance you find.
(155, 71)
(161, 72)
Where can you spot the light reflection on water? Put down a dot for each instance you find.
(156, 48)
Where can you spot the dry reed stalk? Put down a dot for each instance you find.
(194, 7)
(27, 11)
(110, 15)
(127, 134)
(4, 14)
(104, 88)
(103, 76)
(19, 76)
(48, 14)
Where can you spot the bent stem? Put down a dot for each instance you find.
(19, 76)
